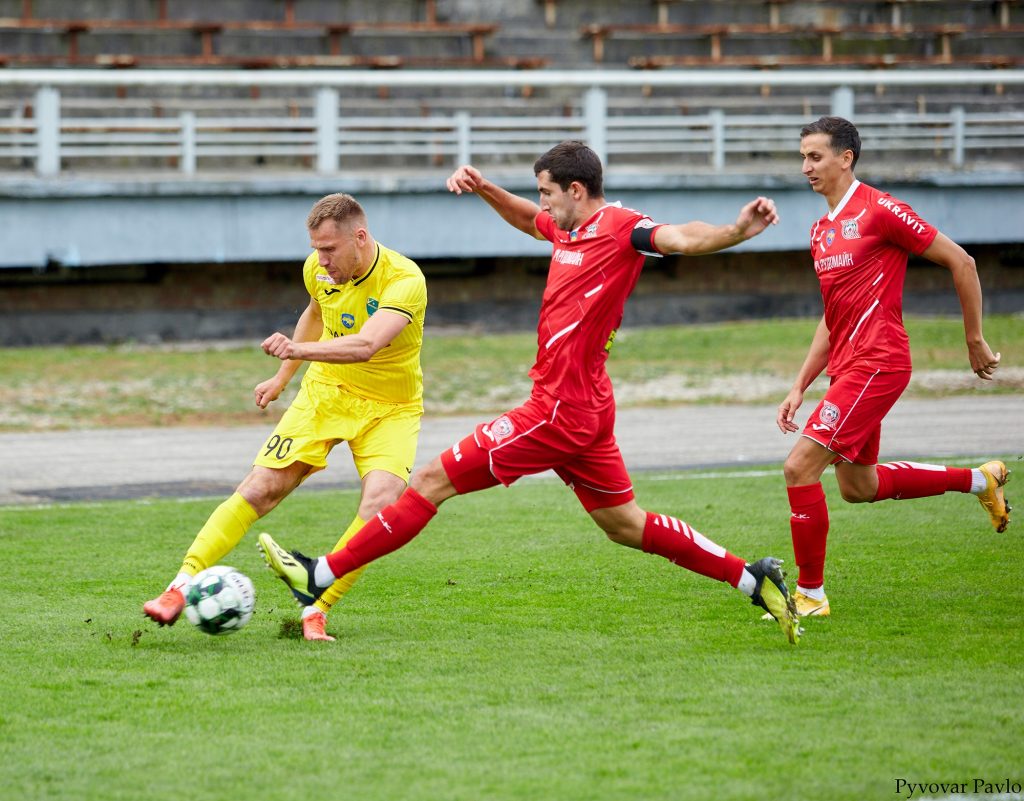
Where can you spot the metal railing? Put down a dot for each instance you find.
(321, 136)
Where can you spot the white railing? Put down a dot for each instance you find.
(320, 136)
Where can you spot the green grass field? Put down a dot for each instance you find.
(512, 653)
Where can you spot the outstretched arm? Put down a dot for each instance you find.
(816, 361)
(696, 238)
(376, 333)
(954, 258)
(516, 211)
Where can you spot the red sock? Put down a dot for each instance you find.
(809, 525)
(387, 531)
(666, 536)
(904, 480)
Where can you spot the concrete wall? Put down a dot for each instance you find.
(249, 301)
(90, 222)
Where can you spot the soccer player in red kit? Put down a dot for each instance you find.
(567, 425)
(860, 249)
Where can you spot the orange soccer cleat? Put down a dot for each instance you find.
(166, 608)
(313, 627)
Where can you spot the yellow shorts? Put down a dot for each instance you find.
(381, 436)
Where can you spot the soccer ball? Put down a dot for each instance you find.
(219, 600)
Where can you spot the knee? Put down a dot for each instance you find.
(424, 478)
(802, 469)
(793, 472)
(375, 501)
(259, 495)
(432, 482)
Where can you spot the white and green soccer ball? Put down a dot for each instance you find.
(219, 600)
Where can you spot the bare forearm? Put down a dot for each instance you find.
(342, 350)
(816, 360)
(968, 289)
(516, 211)
(947, 253)
(697, 238)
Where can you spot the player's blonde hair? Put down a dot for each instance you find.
(339, 207)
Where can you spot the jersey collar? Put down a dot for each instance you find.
(373, 266)
(593, 219)
(842, 203)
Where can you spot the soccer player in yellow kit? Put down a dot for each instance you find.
(363, 332)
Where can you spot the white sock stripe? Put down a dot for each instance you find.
(935, 468)
(708, 545)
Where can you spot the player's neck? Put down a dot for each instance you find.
(587, 210)
(835, 196)
(371, 253)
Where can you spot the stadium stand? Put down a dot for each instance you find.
(190, 128)
(275, 34)
(777, 33)
(283, 40)
(210, 124)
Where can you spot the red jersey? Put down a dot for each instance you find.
(593, 270)
(860, 252)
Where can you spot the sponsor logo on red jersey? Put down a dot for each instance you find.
(573, 257)
(902, 214)
(833, 262)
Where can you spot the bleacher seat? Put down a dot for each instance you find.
(287, 40)
(816, 32)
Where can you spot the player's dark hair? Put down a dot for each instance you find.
(573, 161)
(843, 135)
(339, 207)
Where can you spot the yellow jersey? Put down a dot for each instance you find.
(395, 284)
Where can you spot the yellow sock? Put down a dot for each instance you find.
(222, 532)
(334, 593)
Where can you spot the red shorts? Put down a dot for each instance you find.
(848, 420)
(544, 434)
